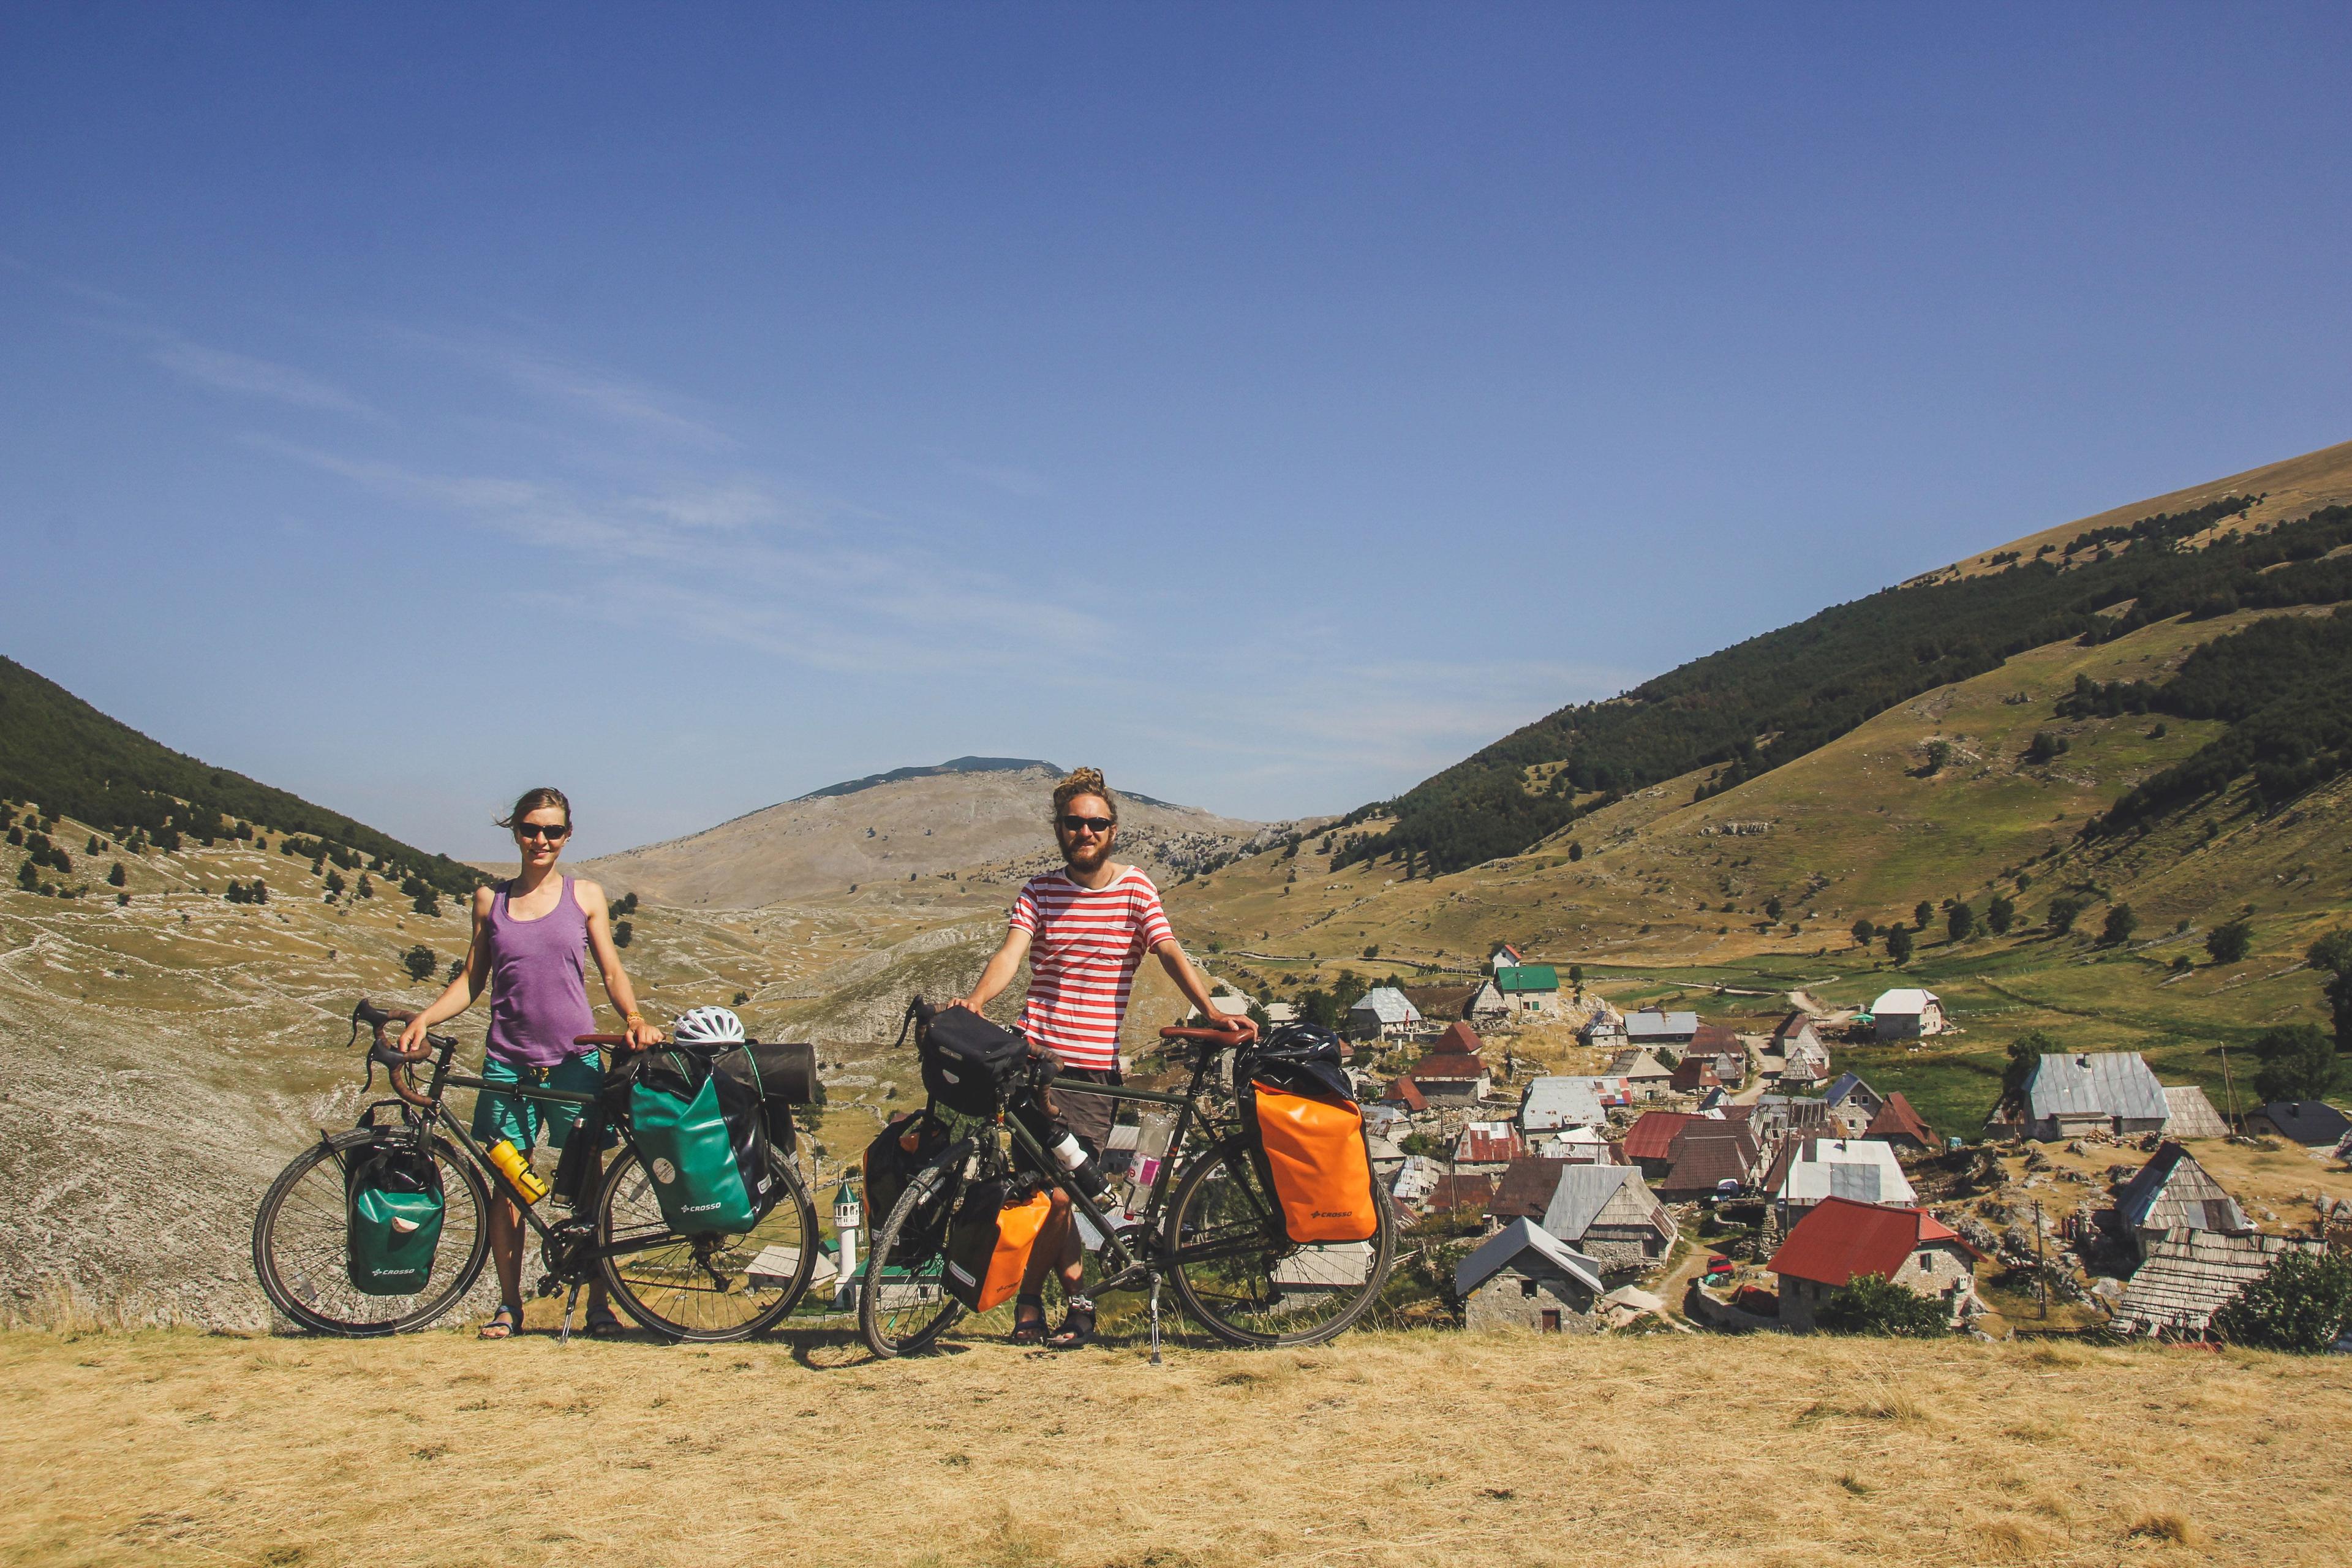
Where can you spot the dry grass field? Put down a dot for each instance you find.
(172, 1447)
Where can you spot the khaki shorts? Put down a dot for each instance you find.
(1087, 1115)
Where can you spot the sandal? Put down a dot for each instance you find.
(504, 1324)
(1029, 1320)
(602, 1324)
(1077, 1326)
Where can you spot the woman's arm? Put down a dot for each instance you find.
(998, 974)
(469, 982)
(591, 899)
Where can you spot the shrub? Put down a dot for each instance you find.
(623, 933)
(420, 962)
(2299, 1062)
(425, 903)
(1921, 913)
(1960, 922)
(2001, 914)
(1863, 931)
(2046, 747)
(2065, 911)
(2302, 1305)
(115, 877)
(2229, 944)
(2121, 923)
(1870, 1305)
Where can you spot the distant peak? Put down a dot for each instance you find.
(957, 765)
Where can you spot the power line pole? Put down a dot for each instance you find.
(2041, 1269)
(2230, 1086)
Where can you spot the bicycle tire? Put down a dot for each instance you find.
(301, 1246)
(1242, 1299)
(903, 1306)
(658, 1285)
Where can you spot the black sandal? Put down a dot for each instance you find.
(1077, 1326)
(504, 1324)
(1027, 1329)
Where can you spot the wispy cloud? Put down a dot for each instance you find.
(227, 372)
(610, 396)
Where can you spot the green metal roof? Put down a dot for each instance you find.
(1527, 977)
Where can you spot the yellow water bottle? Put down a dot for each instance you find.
(516, 1170)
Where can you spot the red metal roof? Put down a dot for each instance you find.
(1459, 1039)
(1840, 1238)
(1525, 1192)
(1448, 1067)
(1474, 1191)
(1896, 1118)
(1480, 1147)
(1695, 1072)
(1407, 1093)
(1652, 1136)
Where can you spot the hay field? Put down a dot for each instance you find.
(170, 1447)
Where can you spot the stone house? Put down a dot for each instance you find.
(1839, 1241)
(2173, 1193)
(2073, 1093)
(1668, 1034)
(1383, 1013)
(1522, 1278)
(1907, 1013)
(1646, 1078)
(1529, 990)
(1853, 1103)
(1609, 1214)
(1810, 1171)
(1705, 1155)
(1487, 1146)
(1897, 1124)
(1555, 1101)
(2186, 1276)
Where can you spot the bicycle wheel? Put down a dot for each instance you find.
(302, 1245)
(1242, 1282)
(903, 1306)
(704, 1287)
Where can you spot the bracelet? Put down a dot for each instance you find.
(634, 1018)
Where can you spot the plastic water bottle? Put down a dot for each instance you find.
(516, 1168)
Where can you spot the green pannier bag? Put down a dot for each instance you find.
(695, 1152)
(393, 1206)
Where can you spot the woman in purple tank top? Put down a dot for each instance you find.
(530, 934)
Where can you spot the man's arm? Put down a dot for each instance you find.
(1171, 953)
(1002, 968)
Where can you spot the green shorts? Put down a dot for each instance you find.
(518, 1119)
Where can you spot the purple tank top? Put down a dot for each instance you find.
(539, 992)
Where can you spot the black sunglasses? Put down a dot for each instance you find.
(1089, 824)
(552, 833)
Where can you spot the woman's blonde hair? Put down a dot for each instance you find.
(1085, 781)
(536, 800)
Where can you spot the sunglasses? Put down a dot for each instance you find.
(1087, 824)
(554, 834)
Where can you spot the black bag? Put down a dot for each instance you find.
(666, 1089)
(912, 1140)
(967, 1061)
(781, 1076)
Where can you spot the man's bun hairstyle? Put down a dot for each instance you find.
(1085, 781)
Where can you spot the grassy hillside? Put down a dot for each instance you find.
(1384, 1451)
(73, 761)
(1764, 702)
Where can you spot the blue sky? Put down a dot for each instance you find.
(697, 405)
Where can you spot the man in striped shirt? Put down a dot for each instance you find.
(1084, 930)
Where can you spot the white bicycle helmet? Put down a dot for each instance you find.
(708, 1026)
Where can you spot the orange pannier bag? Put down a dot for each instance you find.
(1314, 1153)
(988, 1247)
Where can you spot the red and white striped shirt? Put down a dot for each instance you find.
(1084, 947)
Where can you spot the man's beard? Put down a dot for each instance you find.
(1085, 855)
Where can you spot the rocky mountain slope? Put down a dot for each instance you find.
(959, 821)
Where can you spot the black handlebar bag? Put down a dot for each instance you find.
(968, 1062)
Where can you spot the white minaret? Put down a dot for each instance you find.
(846, 1219)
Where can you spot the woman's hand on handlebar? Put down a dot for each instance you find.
(641, 1035)
(412, 1038)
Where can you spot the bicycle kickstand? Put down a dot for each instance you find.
(570, 1301)
(1155, 1320)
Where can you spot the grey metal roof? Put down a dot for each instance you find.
(1661, 1025)
(2096, 1083)
(1387, 1004)
(1583, 1192)
(1521, 1235)
(1553, 1103)
(1846, 1085)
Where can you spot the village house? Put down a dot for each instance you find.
(1522, 1278)
(1607, 1214)
(1554, 1101)
(1487, 1146)
(1852, 1103)
(2171, 1193)
(1811, 1170)
(2313, 1124)
(1907, 1013)
(1456, 1191)
(1604, 1031)
(1505, 956)
(1839, 1241)
(1489, 1007)
(2096, 1091)
(1280, 1013)
(1387, 1155)
(1405, 1095)
(1530, 990)
(1795, 1057)
(2188, 1276)
(1695, 1074)
(1650, 1143)
(1583, 1146)
(1416, 1180)
(1383, 1013)
(1898, 1125)
(1453, 1073)
(1706, 1156)
(1775, 1116)
(1645, 1077)
(2188, 1114)
(1651, 1030)
(1524, 1190)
